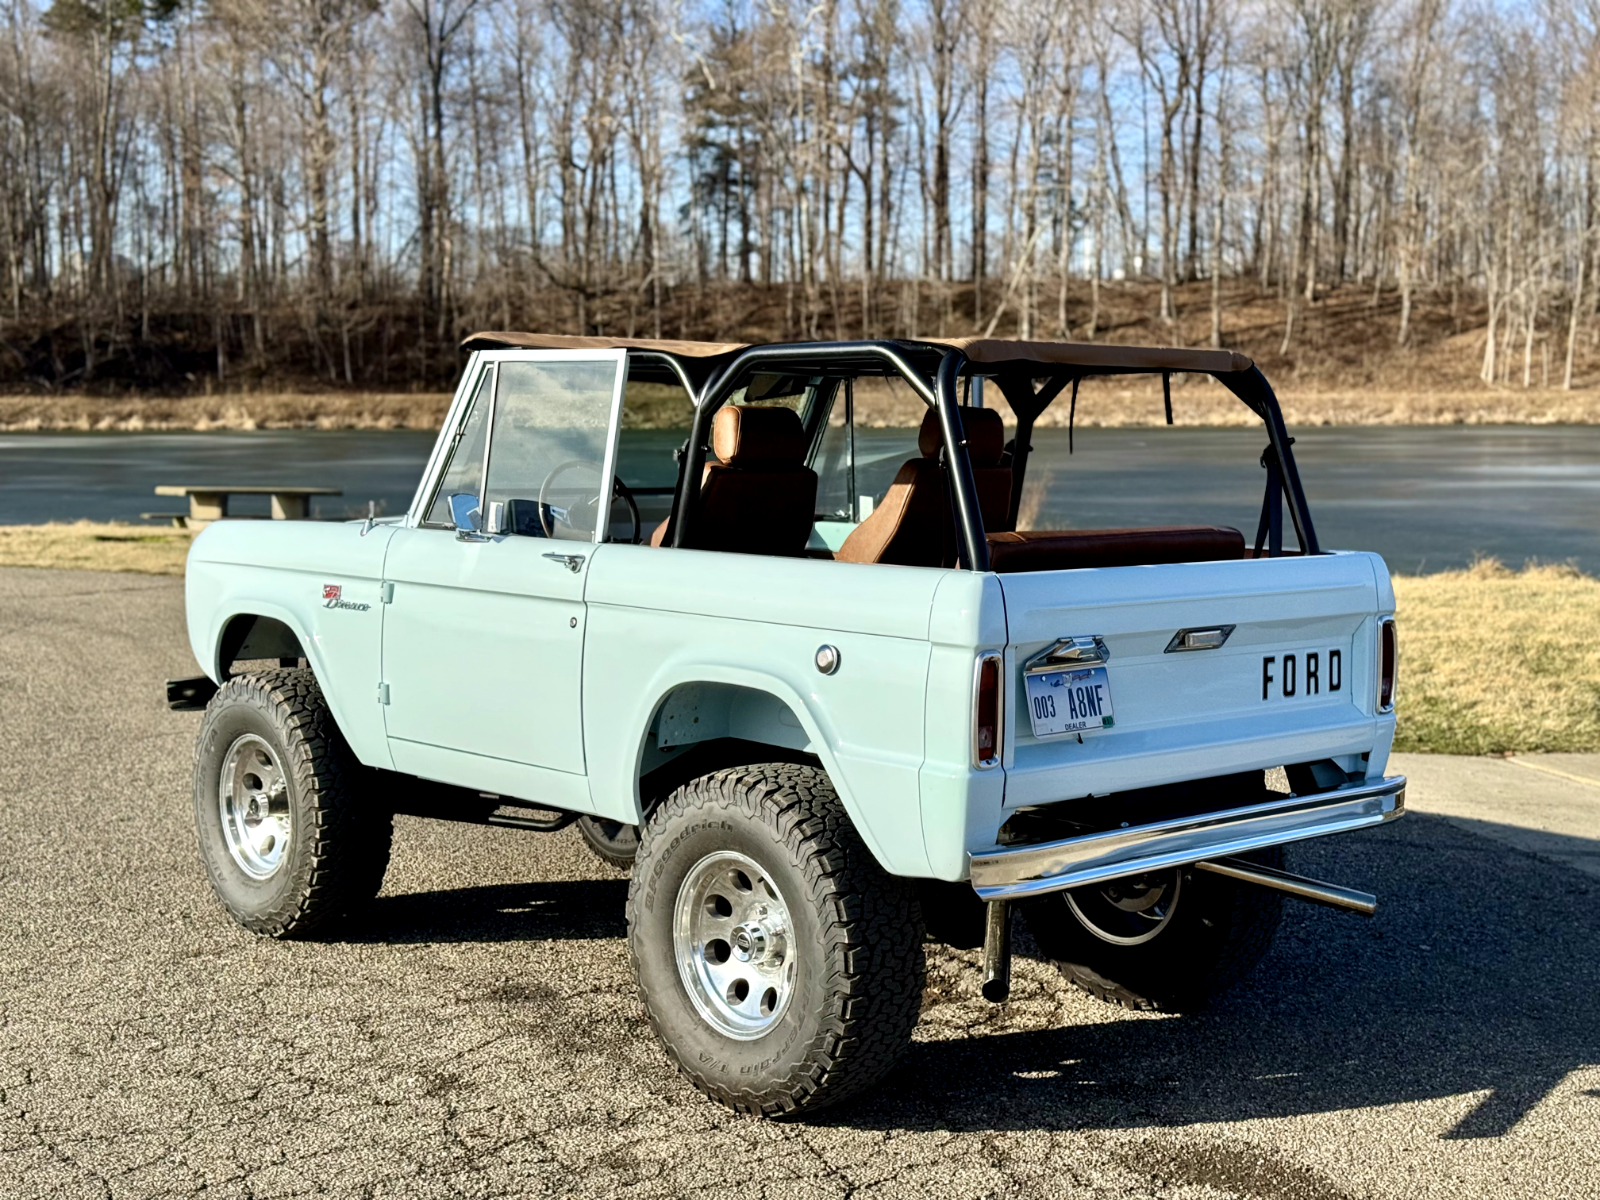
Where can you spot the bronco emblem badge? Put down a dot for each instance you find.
(331, 598)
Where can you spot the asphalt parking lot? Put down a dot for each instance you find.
(477, 1034)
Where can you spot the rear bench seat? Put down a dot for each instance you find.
(1065, 549)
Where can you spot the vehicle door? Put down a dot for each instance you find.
(483, 635)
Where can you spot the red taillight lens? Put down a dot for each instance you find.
(1388, 664)
(986, 711)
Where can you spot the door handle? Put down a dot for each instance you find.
(573, 562)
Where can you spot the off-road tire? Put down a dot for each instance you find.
(612, 842)
(340, 832)
(857, 931)
(1219, 931)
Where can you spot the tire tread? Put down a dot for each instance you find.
(348, 851)
(872, 935)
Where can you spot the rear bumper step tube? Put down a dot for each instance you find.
(1315, 890)
(1014, 872)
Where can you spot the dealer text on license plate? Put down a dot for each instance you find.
(1069, 701)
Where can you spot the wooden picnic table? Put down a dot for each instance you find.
(209, 502)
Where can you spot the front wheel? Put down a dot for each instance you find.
(1170, 940)
(290, 838)
(780, 966)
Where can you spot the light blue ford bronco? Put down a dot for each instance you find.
(814, 684)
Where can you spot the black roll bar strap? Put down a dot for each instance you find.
(1252, 387)
(974, 550)
(1269, 531)
(721, 385)
(1027, 404)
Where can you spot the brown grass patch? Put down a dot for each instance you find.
(1539, 689)
(135, 413)
(879, 403)
(95, 546)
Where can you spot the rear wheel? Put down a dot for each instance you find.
(290, 838)
(781, 967)
(1168, 940)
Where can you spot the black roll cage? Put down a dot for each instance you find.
(932, 372)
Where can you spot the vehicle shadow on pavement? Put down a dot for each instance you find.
(508, 912)
(1479, 979)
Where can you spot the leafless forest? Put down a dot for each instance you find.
(245, 190)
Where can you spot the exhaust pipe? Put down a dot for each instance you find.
(1314, 890)
(997, 951)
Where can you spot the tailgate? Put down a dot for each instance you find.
(1292, 681)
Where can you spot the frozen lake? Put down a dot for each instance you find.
(1426, 498)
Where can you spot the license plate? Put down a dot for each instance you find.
(1069, 701)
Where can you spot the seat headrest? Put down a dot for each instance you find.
(745, 434)
(986, 435)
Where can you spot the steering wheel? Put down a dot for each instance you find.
(618, 489)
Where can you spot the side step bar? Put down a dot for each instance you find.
(1016, 872)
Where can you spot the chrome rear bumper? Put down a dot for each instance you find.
(1019, 871)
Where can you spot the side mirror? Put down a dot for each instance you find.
(464, 512)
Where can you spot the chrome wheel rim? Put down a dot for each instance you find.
(1128, 912)
(253, 799)
(734, 945)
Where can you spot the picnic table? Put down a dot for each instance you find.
(209, 502)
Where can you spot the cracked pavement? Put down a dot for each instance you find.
(477, 1034)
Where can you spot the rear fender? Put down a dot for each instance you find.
(713, 702)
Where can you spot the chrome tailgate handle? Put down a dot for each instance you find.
(1070, 652)
(573, 562)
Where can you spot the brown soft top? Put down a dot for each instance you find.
(987, 351)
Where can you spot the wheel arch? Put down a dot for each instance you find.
(261, 629)
(248, 635)
(744, 716)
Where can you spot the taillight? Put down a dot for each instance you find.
(1388, 664)
(987, 711)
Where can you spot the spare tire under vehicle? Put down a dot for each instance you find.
(1168, 940)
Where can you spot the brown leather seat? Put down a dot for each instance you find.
(913, 526)
(1060, 550)
(761, 498)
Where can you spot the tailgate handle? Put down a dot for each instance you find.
(1069, 652)
(1209, 638)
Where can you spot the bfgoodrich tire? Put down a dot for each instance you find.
(1173, 940)
(780, 966)
(290, 839)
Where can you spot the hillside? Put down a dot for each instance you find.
(1343, 366)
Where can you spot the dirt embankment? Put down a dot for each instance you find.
(1344, 365)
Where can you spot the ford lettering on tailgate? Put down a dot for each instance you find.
(1302, 674)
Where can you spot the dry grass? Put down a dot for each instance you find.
(1542, 694)
(1539, 689)
(95, 546)
(878, 403)
(135, 413)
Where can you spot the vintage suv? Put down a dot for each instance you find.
(820, 692)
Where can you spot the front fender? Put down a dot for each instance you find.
(229, 576)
